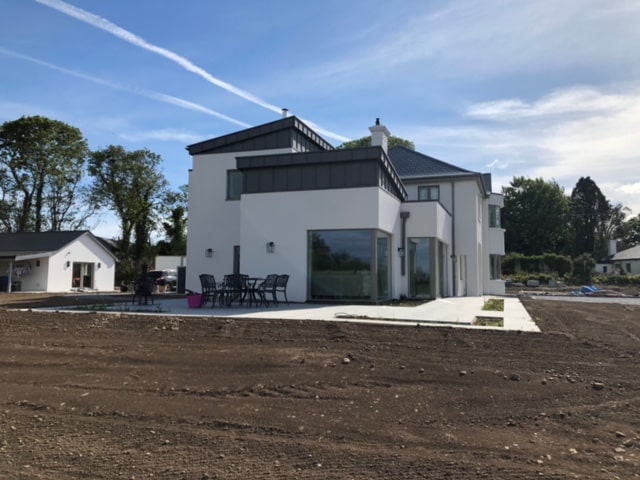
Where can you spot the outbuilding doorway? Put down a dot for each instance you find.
(82, 276)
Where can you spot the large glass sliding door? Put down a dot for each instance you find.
(420, 268)
(426, 259)
(383, 260)
(349, 265)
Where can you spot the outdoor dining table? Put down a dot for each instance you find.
(252, 293)
(242, 288)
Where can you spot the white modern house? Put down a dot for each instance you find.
(351, 225)
(55, 262)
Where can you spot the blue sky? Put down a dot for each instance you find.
(534, 88)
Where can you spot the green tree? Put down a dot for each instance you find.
(175, 226)
(590, 210)
(131, 185)
(629, 234)
(534, 216)
(42, 166)
(366, 142)
(611, 227)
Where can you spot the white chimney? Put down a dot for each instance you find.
(285, 112)
(379, 136)
(613, 247)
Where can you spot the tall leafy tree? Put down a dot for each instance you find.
(589, 211)
(175, 224)
(366, 142)
(630, 233)
(534, 216)
(42, 164)
(612, 227)
(132, 185)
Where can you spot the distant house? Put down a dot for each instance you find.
(627, 261)
(55, 262)
(363, 224)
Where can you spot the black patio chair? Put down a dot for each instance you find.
(281, 286)
(210, 289)
(235, 288)
(268, 287)
(143, 289)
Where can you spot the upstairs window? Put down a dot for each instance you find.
(429, 192)
(494, 216)
(234, 184)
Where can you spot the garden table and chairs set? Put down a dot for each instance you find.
(243, 289)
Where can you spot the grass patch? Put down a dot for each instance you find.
(489, 321)
(494, 304)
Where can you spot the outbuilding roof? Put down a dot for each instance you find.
(14, 244)
(632, 253)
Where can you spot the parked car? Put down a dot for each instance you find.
(165, 277)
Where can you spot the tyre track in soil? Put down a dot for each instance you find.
(235, 399)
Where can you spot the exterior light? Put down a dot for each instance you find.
(270, 247)
(68, 264)
(208, 252)
(401, 251)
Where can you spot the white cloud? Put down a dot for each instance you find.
(569, 100)
(479, 39)
(162, 135)
(564, 135)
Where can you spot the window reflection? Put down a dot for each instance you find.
(342, 264)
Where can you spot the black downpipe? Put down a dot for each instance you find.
(403, 246)
(454, 258)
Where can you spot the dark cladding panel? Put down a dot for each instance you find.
(369, 173)
(322, 170)
(280, 180)
(309, 177)
(251, 179)
(338, 175)
(323, 176)
(266, 179)
(352, 174)
(294, 178)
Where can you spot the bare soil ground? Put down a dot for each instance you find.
(105, 396)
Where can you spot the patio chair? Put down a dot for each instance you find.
(268, 287)
(210, 290)
(235, 288)
(281, 286)
(143, 289)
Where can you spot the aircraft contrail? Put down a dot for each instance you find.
(161, 97)
(113, 29)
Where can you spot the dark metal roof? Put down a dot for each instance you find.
(26, 243)
(414, 165)
(273, 135)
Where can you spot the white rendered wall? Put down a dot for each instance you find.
(427, 219)
(83, 250)
(468, 234)
(214, 221)
(285, 218)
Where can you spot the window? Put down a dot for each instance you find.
(604, 269)
(628, 268)
(429, 192)
(349, 265)
(494, 216)
(495, 267)
(234, 184)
